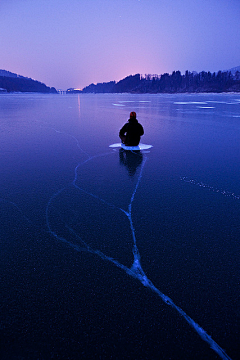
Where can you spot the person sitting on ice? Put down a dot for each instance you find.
(131, 132)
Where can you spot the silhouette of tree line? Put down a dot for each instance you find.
(174, 83)
(23, 84)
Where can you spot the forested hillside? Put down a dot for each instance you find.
(10, 82)
(174, 83)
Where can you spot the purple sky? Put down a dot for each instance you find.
(72, 43)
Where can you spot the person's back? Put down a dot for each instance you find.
(132, 131)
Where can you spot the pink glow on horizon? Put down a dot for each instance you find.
(72, 44)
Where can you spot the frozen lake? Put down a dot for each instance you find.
(113, 254)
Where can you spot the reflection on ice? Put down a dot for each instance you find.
(126, 101)
(189, 102)
(205, 107)
(132, 160)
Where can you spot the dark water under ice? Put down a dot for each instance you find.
(112, 254)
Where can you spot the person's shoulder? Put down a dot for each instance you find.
(124, 126)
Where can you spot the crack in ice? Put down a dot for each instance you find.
(135, 270)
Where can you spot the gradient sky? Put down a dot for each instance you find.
(72, 43)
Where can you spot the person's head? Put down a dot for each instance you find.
(132, 115)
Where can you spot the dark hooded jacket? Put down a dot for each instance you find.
(132, 131)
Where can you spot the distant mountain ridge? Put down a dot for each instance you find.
(234, 70)
(11, 82)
